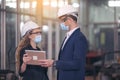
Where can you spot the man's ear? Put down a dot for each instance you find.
(70, 19)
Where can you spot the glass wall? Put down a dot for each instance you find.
(0, 39)
(10, 40)
(50, 7)
(14, 13)
(28, 6)
(0, 34)
(97, 11)
(103, 25)
(11, 5)
(103, 37)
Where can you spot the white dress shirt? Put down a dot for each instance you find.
(68, 34)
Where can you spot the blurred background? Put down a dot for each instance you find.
(99, 20)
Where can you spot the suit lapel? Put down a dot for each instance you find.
(62, 43)
(71, 37)
(61, 50)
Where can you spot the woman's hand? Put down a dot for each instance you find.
(26, 58)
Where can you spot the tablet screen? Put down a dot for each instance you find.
(35, 55)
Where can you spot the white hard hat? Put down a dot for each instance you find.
(67, 9)
(29, 25)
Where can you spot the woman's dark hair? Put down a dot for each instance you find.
(23, 43)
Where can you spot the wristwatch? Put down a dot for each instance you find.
(54, 64)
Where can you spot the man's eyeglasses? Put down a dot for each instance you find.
(63, 19)
(36, 32)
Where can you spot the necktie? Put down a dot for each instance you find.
(65, 40)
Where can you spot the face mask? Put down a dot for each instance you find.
(38, 39)
(63, 27)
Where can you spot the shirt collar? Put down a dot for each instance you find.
(71, 31)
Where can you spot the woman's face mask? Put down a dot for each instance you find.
(63, 27)
(38, 39)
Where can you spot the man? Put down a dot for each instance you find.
(71, 61)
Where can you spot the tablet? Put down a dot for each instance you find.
(35, 55)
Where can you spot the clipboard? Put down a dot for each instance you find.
(35, 55)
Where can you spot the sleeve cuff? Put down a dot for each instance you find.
(54, 64)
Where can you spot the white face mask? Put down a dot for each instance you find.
(38, 39)
(63, 27)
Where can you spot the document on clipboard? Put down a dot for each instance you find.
(35, 55)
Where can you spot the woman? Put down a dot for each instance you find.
(31, 35)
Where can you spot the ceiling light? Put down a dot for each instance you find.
(112, 3)
(34, 4)
(75, 5)
(45, 28)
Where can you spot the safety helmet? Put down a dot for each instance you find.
(29, 25)
(67, 9)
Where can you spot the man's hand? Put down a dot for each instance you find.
(46, 63)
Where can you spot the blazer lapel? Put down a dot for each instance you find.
(62, 49)
(71, 37)
(62, 43)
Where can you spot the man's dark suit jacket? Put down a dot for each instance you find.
(71, 61)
